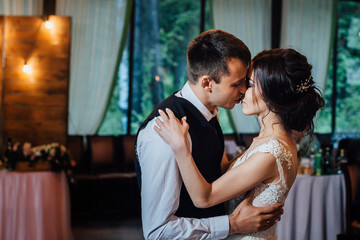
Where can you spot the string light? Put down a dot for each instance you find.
(157, 78)
(48, 24)
(27, 69)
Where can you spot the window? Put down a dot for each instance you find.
(155, 61)
(342, 111)
(154, 64)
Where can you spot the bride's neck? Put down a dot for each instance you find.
(270, 125)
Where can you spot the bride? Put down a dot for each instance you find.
(282, 94)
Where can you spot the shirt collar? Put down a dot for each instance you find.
(187, 93)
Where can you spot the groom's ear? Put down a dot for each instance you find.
(206, 83)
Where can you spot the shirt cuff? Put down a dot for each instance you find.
(221, 226)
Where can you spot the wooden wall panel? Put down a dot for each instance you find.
(35, 105)
(1, 79)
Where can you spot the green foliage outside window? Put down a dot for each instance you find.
(162, 31)
(347, 117)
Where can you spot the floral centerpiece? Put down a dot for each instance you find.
(53, 156)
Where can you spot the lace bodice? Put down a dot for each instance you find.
(266, 193)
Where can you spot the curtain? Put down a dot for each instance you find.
(250, 21)
(99, 32)
(308, 27)
(21, 7)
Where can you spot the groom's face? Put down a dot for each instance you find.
(231, 88)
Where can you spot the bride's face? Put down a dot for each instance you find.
(253, 102)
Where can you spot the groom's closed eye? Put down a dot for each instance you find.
(247, 82)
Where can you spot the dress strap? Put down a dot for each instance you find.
(274, 147)
(277, 149)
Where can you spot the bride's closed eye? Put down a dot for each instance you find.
(250, 83)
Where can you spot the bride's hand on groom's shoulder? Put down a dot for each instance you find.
(248, 219)
(171, 130)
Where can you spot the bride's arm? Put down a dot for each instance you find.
(225, 163)
(203, 194)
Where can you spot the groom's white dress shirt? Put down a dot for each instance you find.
(161, 184)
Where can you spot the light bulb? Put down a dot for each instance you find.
(48, 24)
(27, 69)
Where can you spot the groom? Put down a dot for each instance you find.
(217, 66)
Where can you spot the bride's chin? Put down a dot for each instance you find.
(246, 113)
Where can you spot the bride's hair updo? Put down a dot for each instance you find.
(287, 87)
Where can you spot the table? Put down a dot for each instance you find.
(314, 209)
(34, 206)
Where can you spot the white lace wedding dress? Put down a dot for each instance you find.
(266, 193)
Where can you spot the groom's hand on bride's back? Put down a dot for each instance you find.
(247, 219)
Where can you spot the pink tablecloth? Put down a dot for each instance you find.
(34, 206)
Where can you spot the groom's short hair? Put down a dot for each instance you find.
(209, 53)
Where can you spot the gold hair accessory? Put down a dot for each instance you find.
(304, 85)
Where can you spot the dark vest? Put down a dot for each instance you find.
(207, 151)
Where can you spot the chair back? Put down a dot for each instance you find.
(106, 154)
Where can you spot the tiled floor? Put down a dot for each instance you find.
(125, 229)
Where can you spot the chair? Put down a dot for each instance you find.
(129, 146)
(106, 185)
(75, 145)
(352, 177)
(105, 154)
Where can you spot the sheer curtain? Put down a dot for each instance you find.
(250, 21)
(99, 30)
(21, 7)
(308, 27)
